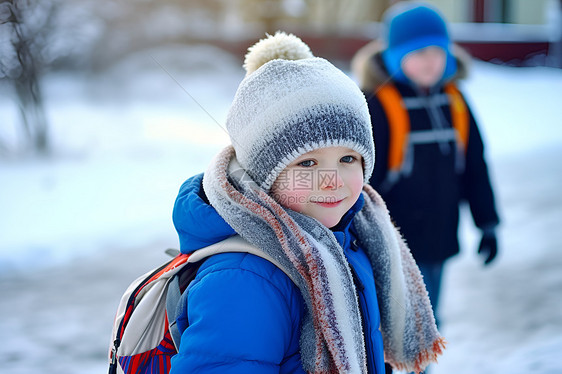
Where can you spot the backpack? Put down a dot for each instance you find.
(399, 130)
(145, 336)
(399, 121)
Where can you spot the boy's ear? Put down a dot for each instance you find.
(364, 166)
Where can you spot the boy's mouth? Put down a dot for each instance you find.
(328, 203)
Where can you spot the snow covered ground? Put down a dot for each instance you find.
(76, 228)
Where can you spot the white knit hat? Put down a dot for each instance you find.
(290, 103)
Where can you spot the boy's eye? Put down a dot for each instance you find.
(306, 163)
(348, 159)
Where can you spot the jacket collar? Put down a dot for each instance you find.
(342, 229)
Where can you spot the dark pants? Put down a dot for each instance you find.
(432, 274)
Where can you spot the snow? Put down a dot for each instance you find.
(77, 227)
(124, 143)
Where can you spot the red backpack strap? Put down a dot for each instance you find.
(398, 124)
(459, 114)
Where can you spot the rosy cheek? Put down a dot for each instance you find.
(356, 184)
(297, 200)
(291, 199)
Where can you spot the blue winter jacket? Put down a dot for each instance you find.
(241, 314)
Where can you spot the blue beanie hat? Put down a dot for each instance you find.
(412, 26)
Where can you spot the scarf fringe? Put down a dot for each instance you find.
(423, 359)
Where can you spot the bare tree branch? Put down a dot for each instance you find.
(22, 21)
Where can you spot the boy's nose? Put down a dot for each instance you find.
(330, 180)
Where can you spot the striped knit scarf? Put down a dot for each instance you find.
(331, 337)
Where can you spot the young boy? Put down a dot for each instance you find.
(344, 288)
(430, 156)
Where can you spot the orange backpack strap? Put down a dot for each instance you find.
(398, 124)
(459, 114)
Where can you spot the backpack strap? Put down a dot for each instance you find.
(233, 244)
(173, 296)
(459, 114)
(399, 124)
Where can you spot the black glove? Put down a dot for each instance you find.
(488, 247)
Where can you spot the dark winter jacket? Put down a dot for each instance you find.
(424, 201)
(243, 314)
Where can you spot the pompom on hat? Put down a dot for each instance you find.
(290, 103)
(410, 26)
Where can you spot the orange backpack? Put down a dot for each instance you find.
(399, 121)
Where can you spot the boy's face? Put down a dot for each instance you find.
(426, 66)
(323, 184)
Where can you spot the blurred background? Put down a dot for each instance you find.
(107, 106)
(94, 37)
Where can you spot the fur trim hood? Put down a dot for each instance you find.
(368, 68)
